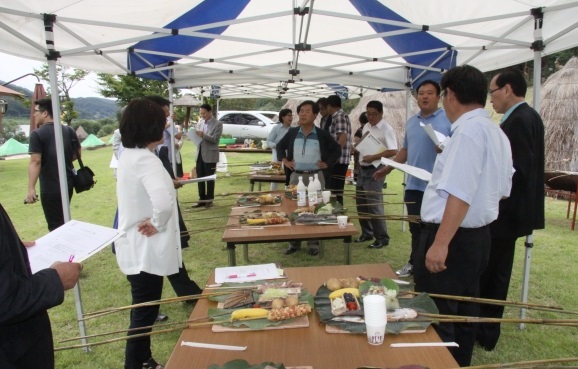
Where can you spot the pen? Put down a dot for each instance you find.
(241, 275)
(70, 258)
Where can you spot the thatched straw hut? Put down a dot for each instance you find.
(559, 112)
(394, 111)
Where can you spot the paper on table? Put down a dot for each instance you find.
(201, 179)
(438, 138)
(192, 135)
(369, 145)
(247, 273)
(75, 238)
(425, 344)
(420, 173)
(213, 346)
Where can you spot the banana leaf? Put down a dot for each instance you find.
(242, 364)
(421, 303)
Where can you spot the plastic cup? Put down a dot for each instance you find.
(375, 334)
(342, 221)
(326, 196)
(374, 310)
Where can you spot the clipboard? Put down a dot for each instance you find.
(369, 145)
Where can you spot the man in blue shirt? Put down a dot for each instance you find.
(419, 151)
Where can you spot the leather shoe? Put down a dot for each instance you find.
(161, 318)
(363, 238)
(198, 205)
(378, 244)
(313, 252)
(290, 250)
(209, 205)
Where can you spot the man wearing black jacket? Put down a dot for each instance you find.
(25, 332)
(523, 211)
(307, 150)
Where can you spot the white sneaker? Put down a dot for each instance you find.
(405, 271)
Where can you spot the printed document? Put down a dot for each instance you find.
(369, 145)
(420, 173)
(247, 273)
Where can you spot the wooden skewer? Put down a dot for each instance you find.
(557, 309)
(472, 319)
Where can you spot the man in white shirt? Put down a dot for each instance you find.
(468, 180)
(369, 190)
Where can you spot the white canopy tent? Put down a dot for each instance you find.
(284, 48)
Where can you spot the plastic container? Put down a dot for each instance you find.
(301, 193)
(312, 192)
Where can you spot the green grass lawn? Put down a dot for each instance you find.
(103, 285)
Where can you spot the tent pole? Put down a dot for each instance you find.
(172, 126)
(51, 57)
(407, 116)
(538, 47)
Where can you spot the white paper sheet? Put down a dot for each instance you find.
(74, 240)
(369, 145)
(192, 135)
(247, 273)
(425, 344)
(201, 179)
(438, 138)
(411, 170)
(213, 346)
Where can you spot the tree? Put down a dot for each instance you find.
(126, 88)
(67, 78)
(11, 129)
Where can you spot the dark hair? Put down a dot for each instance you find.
(143, 122)
(159, 100)
(515, 79)
(207, 107)
(334, 101)
(363, 118)
(322, 101)
(45, 105)
(430, 82)
(377, 105)
(468, 83)
(283, 113)
(314, 106)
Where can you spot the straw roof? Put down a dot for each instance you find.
(187, 100)
(394, 111)
(559, 112)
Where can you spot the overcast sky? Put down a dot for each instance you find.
(12, 67)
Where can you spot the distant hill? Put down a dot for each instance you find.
(92, 108)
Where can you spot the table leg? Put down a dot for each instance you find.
(251, 185)
(260, 183)
(246, 252)
(321, 249)
(347, 249)
(232, 258)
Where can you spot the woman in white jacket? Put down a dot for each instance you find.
(147, 212)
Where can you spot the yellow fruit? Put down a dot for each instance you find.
(256, 221)
(291, 301)
(333, 284)
(245, 314)
(277, 304)
(339, 293)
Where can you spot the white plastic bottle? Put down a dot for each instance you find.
(317, 183)
(312, 192)
(301, 193)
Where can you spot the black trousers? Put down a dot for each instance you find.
(52, 206)
(206, 189)
(413, 200)
(337, 180)
(183, 284)
(494, 284)
(144, 287)
(467, 259)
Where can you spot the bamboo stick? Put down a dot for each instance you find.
(556, 309)
(472, 319)
(192, 325)
(520, 364)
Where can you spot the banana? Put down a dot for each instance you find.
(340, 292)
(248, 314)
(256, 221)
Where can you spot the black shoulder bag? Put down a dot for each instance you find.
(83, 179)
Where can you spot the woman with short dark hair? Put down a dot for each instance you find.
(147, 213)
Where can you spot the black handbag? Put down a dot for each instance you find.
(84, 178)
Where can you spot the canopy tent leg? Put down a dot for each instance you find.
(51, 57)
(526, 277)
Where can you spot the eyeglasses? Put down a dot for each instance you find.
(443, 94)
(371, 114)
(496, 89)
(40, 110)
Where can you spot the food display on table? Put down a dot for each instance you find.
(259, 217)
(274, 170)
(292, 192)
(261, 305)
(259, 200)
(318, 214)
(339, 304)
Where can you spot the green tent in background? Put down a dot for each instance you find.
(13, 147)
(92, 141)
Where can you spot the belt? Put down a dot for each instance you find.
(435, 226)
(367, 167)
(425, 225)
(307, 171)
